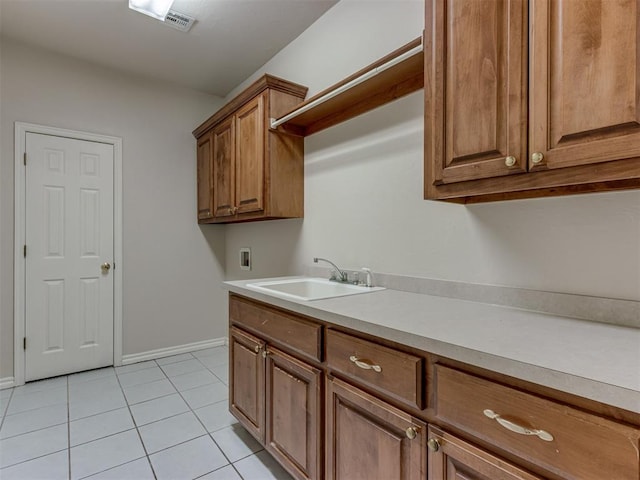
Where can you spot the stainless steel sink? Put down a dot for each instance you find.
(310, 288)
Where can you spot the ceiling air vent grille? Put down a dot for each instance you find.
(179, 21)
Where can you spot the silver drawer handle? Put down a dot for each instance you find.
(365, 364)
(514, 427)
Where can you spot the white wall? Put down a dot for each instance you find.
(363, 190)
(172, 268)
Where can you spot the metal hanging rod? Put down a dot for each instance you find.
(275, 123)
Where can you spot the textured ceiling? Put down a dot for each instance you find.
(230, 40)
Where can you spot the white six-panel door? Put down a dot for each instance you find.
(69, 237)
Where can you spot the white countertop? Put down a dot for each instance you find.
(593, 360)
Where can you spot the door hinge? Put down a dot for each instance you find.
(24, 251)
(24, 158)
(24, 343)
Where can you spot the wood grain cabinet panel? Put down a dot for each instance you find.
(293, 421)
(392, 372)
(296, 334)
(205, 178)
(527, 99)
(451, 458)
(223, 169)
(367, 438)
(585, 103)
(246, 389)
(479, 74)
(561, 439)
(257, 172)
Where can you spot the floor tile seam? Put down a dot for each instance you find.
(4, 414)
(181, 443)
(34, 458)
(149, 399)
(111, 468)
(161, 419)
(171, 363)
(91, 379)
(139, 370)
(146, 382)
(102, 438)
(133, 419)
(161, 366)
(99, 413)
(39, 408)
(116, 466)
(36, 430)
(207, 366)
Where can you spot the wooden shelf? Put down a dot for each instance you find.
(394, 82)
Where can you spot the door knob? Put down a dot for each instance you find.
(105, 267)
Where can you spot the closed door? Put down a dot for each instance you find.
(69, 256)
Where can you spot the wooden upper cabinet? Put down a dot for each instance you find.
(477, 113)
(257, 172)
(250, 130)
(223, 169)
(585, 87)
(548, 90)
(205, 178)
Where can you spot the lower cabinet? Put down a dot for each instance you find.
(452, 458)
(278, 399)
(328, 404)
(293, 417)
(368, 439)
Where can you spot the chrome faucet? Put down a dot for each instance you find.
(342, 276)
(369, 281)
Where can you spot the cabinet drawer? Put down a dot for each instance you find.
(299, 335)
(559, 438)
(393, 372)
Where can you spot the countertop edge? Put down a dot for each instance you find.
(566, 382)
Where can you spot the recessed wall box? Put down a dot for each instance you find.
(245, 258)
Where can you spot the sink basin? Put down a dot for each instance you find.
(310, 288)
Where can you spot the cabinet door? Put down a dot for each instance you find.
(250, 133)
(246, 389)
(475, 89)
(223, 169)
(585, 84)
(453, 459)
(293, 417)
(368, 439)
(205, 178)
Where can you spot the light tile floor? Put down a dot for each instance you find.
(160, 419)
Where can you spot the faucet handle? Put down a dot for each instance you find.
(369, 280)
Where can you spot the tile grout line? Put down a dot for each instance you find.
(135, 424)
(202, 423)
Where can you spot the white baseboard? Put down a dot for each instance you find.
(6, 382)
(167, 352)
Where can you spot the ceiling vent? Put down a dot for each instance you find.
(179, 21)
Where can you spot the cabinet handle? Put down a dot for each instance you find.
(411, 432)
(265, 352)
(514, 427)
(510, 161)
(433, 444)
(257, 348)
(536, 158)
(365, 364)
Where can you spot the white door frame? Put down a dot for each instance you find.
(19, 290)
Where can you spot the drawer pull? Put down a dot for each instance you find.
(514, 427)
(433, 444)
(365, 364)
